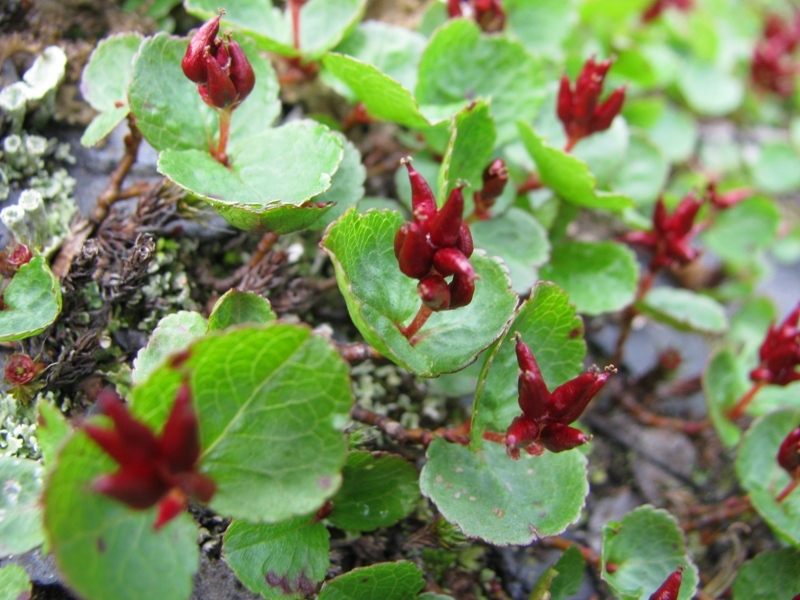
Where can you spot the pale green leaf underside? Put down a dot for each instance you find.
(379, 297)
(174, 332)
(240, 308)
(504, 501)
(32, 301)
(684, 309)
(20, 516)
(723, 385)
(105, 79)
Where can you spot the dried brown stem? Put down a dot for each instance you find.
(358, 352)
(730, 509)
(589, 555)
(458, 434)
(112, 193)
(650, 418)
(264, 245)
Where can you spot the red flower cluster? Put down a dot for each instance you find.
(10, 262)
(780, 353)
(671, 587)
(660, 6)
(723, 200)
(578, 108)
(789, 453)
(489, 14)
(436, 244)
(219, 67)
(152, 470)
(21, 369)
(773, 66)
(495, 178)
(544, 422)
(671, 234)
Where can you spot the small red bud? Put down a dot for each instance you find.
(569, 400)
(193, 63)
(464, 242)
(242, 76)
(495, 177)
(446, 224)
(521, 433)
(789, 453)
(218, 91)
(423, 203)
(557, 437)
(413, 250)
(670, 589)
(171, 505)
(20, 370)
(462, 289)
(449, 261)
(564, 105)
(606, 112)
(20, 255)
(179, 441)
(434, 292)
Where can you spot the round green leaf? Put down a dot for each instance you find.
(275, 174)
(384, 97)
(598, 277)
(174, 332)
(768, 576)
(104, 83)
(168, 108)
(460, 64)
(709, 90)
(377, 491)
(645, 547)
(684, 310)
(271, 403)
(569, 569)
(32, 301)
(469, 151)
(347, 185)
(548, 325)
(643, 172)
(519, 239)
(777, 170)
(283, 561)
(605, 151)
(738, 234)
(239, 308)
(14, 582)
(379, 297)
(20, 518)
(759, 473)
(569, 177)
(504, 501)
(400, 580)
(102, 546)
(675, 133)
(540, 25)
(723, 384)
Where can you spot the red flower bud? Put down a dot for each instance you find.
(789, 454)
(464, 243)
(242, 75)
(449, 261)
(568, 401)
(489, 14)
(194, 61)
(423, 203)
(780, 353)
(445, 225)
(434, 292)
(20, 370)
(20, 255)
(413, 250)
(462, 289)
(522, 433)
(557, 437)
(670, 589)
(495, 177)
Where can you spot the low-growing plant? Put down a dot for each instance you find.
(203, 354)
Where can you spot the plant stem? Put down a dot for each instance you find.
(221, 155)
(650, 418)
(294, 10)
(738, 410)
(358, 352)
(730, 509)
(419, 320)
(112, 192)
(570, 144)
(787, 490)
(532, 182)
(458, 434)
(589, 555)
(265, 244)
(645, 283)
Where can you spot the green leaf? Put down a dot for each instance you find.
(460, 64)
(170, 113)
(777, 170)
(384, 97)
(393, 50)
(723, 384)
(540, 25)
(52, 430)
(708, 90)
(100, 544)
(570, 569)
(645, 547)
(684, 310)
(273, 179)
(739, 233)
(469, 150)
(598, 277)
(569, 177)
(379, 297)
(20, 517)
(760, 475)
(775, 397)
(14, 582)
(504, 501)
(105, 81)
(400, 580)
(281, 561)
(612, 9)
(174, 333)
(520, 240)
(377, 491)
(323, 23)
(347, 185)
(271, 403)
(32, 301)
(675, 133)
(643, 173)
(239, 308)
(768, 576)
(605, 152)
(548, 325)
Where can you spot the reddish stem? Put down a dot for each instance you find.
(419, 320)
(294, 10)
(589, 555)
(532, 182)
(221, 155)
(787, 490)
(571, 144)
(730, 509)
(738, 410)
(645, 283)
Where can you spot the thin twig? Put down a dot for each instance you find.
(458, 434)
(650, 418)
(358, 352)
(589, 555)
(730, 509)
(112, 192)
